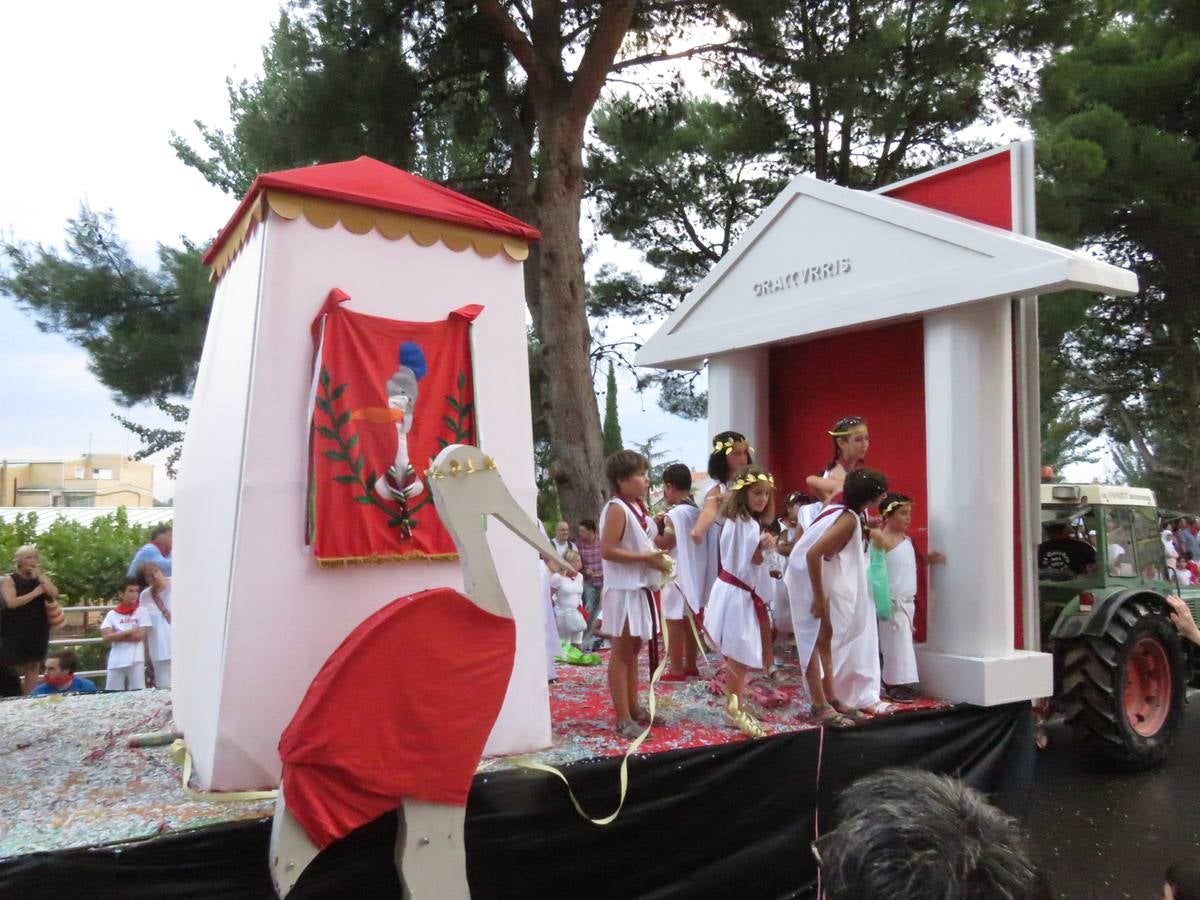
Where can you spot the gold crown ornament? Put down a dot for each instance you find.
(753, 479)
(728, 444)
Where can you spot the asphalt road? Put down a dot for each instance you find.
(1104, 834)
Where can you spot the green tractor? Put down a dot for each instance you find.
(1121, 669)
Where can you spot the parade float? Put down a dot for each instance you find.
(367, 321)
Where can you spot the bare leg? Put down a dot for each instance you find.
(29, 677)
(680, 642)
(812, 675)
(737, 678)
(623, 648)
(689, 646)
(431, 857)
(768, 643)
(636, 711)
(825, 651)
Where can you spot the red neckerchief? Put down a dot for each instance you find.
(126, 610)
(640, 513)
(59, 681)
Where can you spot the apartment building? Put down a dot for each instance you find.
(97, 479)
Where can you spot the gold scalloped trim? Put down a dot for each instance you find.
(237, 238)
(362, 219)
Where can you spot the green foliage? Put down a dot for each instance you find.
(143, 330)
(411, 84)
(612, 426)
(872, 90)
(85, 562)
(156, 439)
(1119, 148)
(658, 458)
(859, 93)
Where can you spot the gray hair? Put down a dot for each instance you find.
(23, 551)
(906, 833)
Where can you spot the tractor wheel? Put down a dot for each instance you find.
(1123, 693)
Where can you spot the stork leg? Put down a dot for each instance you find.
(291, 849)
(431, 857)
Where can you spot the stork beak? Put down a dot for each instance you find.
(489, 495)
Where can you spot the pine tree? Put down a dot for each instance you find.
(612, 427)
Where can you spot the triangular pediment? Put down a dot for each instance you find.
(824, 258)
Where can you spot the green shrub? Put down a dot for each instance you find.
(85, 562)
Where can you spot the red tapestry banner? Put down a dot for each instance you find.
(387, 397)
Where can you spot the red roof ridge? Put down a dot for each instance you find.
(366, 181)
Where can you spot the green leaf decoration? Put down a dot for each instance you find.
(324, 378)
(323, 406)
(357, 465)
(454, 404)
(353, 440)
(345, 479)
(336, 456)
(341, 420)
(365, 498)
(451, 424)
(327, 433)
(462, 380)
(338, 391)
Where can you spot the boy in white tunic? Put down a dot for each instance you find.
(632, 565)
(736, 617)
(896, 633)
(125, 629)
(833, 611)
(682, 598)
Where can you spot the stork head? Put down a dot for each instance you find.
(466, 486)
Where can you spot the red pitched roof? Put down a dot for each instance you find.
(369, 182)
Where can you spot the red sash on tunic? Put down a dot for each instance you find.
(725, 576)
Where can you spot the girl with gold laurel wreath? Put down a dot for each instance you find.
(833, 614)
(730, 454)
(851, 441)
(736, 618)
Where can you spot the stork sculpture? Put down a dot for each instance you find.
(398, 716)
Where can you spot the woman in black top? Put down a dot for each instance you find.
(24, 626)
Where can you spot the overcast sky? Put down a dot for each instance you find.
(93, 92)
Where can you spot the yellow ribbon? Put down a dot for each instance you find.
(180, 755)
(632, 749)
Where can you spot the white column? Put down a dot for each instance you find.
(969, 453)
(970, 486)
(738, 384)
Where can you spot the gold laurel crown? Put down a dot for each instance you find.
(728, 444)
(846, 432)
(753, 479)
(454, 468)
(893, 506)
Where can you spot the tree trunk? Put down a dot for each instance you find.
(562, 104)
(562, 327)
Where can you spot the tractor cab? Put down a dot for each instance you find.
(1120, 665)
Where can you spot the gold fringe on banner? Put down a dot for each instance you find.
(341, 562)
